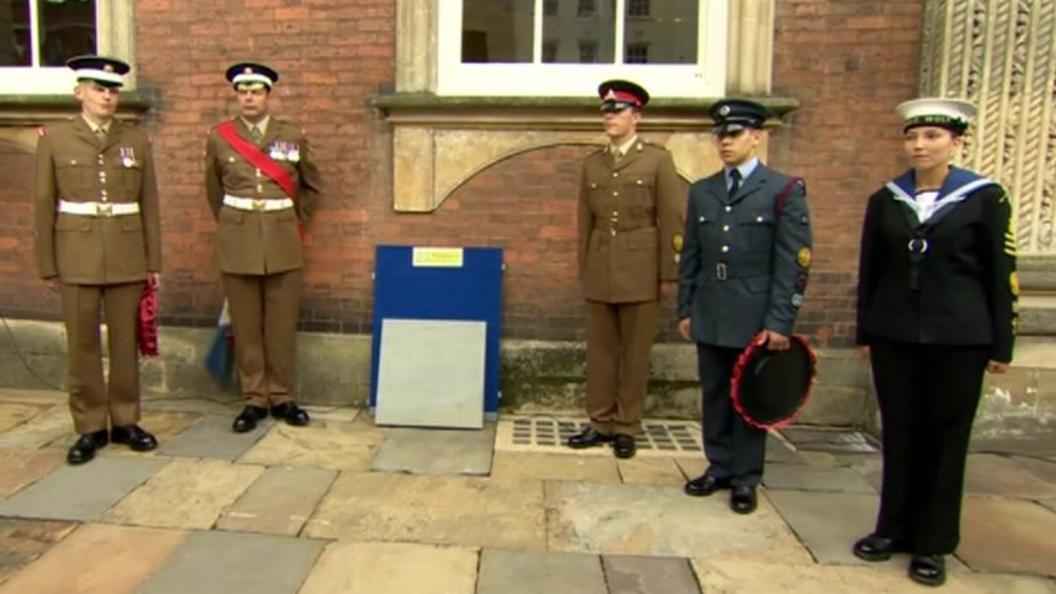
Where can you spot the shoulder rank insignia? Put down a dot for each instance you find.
(1013, 283)
(676, 242)
(803, 257)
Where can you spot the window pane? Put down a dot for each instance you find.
(497, 30)
(67, 30)
(582, 32)
(660, 32)
(14, 33)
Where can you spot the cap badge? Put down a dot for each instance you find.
(724, 110)
(610, 96)
(247, 70)
(108, 68)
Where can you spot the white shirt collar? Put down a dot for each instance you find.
(746, 169)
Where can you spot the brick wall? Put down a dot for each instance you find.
(848, 62)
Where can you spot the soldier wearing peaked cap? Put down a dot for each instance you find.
(630, 225)
(98, 238)
(742, 276)
(261, 184)
(937, 293)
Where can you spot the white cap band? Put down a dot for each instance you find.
(251, 77)
(100, 75)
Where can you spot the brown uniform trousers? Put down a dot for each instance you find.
(630, 226)
(260, 256)
(101, 260)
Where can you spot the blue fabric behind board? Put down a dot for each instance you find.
(472, 292)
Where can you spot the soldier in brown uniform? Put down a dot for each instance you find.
(261, 184)
(98, 239)
(630, 225)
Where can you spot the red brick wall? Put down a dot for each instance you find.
(848, 62)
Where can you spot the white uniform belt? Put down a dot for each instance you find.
(99, 209)
(265, 204)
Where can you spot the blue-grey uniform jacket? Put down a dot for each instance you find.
(744, 260)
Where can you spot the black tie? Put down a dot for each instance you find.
(735, 182)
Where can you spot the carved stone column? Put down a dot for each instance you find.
(751, 47)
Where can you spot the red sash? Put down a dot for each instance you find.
(257, 158)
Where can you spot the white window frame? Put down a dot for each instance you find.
(113, 24)
(706, 78)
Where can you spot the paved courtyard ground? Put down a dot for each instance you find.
(343, 506)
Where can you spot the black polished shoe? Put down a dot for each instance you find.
(875, 548)
(742, 499)
(929, 570)
(588, 438)
(249, 417)
(134, 437)
(705, 485)
(83, 450)
(623, 446)
(291, 413)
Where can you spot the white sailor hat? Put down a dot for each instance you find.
(952, 114)
(108, 72)
(251, 72)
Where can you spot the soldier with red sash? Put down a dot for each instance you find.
(261, 184)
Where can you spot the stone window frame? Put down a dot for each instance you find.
(116, 37)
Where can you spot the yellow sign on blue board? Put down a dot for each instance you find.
(437, 257)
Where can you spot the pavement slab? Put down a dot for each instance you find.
(532, 572)
(235, 562)
(560, 467)
(188, 493)
(1048, 503)
(996, 583)
(332, 414)
(657, 521)
(1040, 445)
(98, 559)
(22, 541)
(40, 430)
(832, 440)
(1043, 469)
(780, 451)
(280, 501)
(811, 478)
(656, 472)
(336, 446)
(212, 437)
(828, 523)
(380, 567)
(990, 474)
(436, 451)
(81, 492)
(43, 398)
(20, 467)
(163, 424)
(16, 413)
(453, 510)
(1007, 536)
(649, 575)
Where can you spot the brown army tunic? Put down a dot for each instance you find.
(99, 259)
(630, 233)
(260, 254)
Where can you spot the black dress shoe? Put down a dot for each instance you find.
(134, 437)
(623, 446)
(704, 485)
(929, 570)
(875, 548)
(588, 438)
(742, 500)
(83, 450)
(291, 413)
(249, 417)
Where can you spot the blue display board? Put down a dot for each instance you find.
(440, 284)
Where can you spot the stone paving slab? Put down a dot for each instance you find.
(656, 472)
(561, 467)
(828, 523)
(212, 437)
(98, 559)
(81, 492)
(827, 440)
(780, 451)
(235, 563)
(39, 431)
(16, 413)
(377, 567)
(20, 467)
(1007, 536)
(332, 414)
(188, 493)
(22, 541)
(634, 520)
(1003, 476)
(1048, 503)
(755, 577)
(1043, 469)
(336, 446)
(36, 397)
(995, 583)
(436, 451)
(163, 424)
(530, 572)
(810, 478)
(649, 575)
(1038, 445)
(280, 501)
(453, 510)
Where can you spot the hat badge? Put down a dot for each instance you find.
(724, 110)
(108, 68)
(247, 70)
(610, 96)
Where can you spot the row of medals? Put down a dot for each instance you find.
(284, 151)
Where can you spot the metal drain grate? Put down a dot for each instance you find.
(540, 434)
